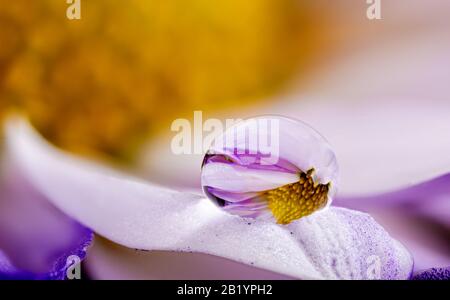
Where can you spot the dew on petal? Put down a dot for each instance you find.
(272, 168)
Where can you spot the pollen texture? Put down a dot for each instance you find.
(293, 201)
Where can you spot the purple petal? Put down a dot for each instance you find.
(427, 241)
(250, 205)
(414, 195)
(333, 243)
(433, 274)
(35, 238)
(415, 216)
(58, 269)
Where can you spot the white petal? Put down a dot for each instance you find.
(335, 243)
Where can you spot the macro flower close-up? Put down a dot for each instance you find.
(238, 140)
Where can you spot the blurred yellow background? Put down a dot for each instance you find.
(101, 85)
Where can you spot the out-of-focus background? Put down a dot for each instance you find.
(103, 84)
(109, 85)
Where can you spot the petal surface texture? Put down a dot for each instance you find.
(433, 274)
(331, 244)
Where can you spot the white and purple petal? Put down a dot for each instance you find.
(279, 141)
(241, 179)
(334, 243)
(418, 216)
(36, 239)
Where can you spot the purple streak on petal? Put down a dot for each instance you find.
(433, 274)
(410, 196)
(229, 196)
(249, 205)
(251, 161)
(438, 209)
(35, 237)
(247, 208)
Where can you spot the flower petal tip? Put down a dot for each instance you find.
(60, 266)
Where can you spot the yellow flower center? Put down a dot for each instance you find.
(293, 201)
(103, 85)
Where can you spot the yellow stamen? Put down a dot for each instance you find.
(293, 201)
